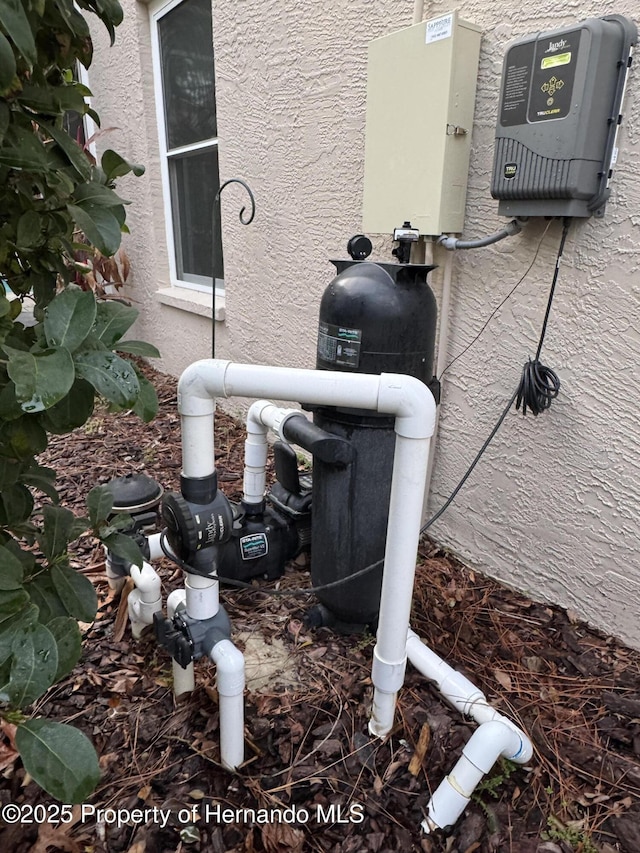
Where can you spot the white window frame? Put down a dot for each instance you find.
(158, 10)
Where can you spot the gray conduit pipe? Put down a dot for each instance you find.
(451, 243)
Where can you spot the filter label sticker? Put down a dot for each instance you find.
(439, 28)
(339, 345)
(254, 546)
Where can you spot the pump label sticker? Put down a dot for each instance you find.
(439, 28)
(254, 546)
(338, 345)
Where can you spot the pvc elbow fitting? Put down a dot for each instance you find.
(199, 385)
(411, 402)
(490, 741)
(229, 663)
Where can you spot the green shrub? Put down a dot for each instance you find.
(53, 201)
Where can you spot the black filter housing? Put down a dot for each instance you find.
(374, 318)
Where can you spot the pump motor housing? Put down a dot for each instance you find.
(558, 117)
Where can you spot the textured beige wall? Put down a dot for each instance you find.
(554, 507)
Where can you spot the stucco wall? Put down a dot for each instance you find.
(553, 509)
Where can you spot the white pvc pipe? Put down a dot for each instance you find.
(459, 692)
(496, 736)
(261, 417)
(489, 742)
(403, 532)
(202, 596)
(184, 679)
(230, 682)
(155, 550)
(145, 599)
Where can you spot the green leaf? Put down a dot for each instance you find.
(7, 640)
(109, 12)
(29, 231)
(10, 408)
(115, 166)
(43, 479)
(113, 319)
(60, 758)
(9, 473)
(69, 319)
(35, 662)
(22, 438)
(16, 24)
(69, 641)
(7, 64)
(100, 225)
(71, 149)
(141, 348)
(11, 571)
(146, 407)
(18, 619)
(41, 379)
(76, 592)
(97, 194)
(16, 505)
(72, 411)
(60, 526)
(124, 546)
(73, 19)
(99, 504)
(44, 597)
(23, 149)
(110, 375)
(12, 601)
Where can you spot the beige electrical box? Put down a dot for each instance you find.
(421, 87)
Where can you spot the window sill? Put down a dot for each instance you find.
(194, 301)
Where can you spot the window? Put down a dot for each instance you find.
(182, 38)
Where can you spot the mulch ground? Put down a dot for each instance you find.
(575, 691)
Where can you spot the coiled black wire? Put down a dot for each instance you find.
(539, 385)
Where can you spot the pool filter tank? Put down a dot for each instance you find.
(374, 318)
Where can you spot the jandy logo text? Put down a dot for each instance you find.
(556, 45)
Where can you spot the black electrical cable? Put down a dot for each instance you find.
(276, 592)
(499, 306)
(539, 385)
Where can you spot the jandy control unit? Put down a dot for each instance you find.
(559, 113)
